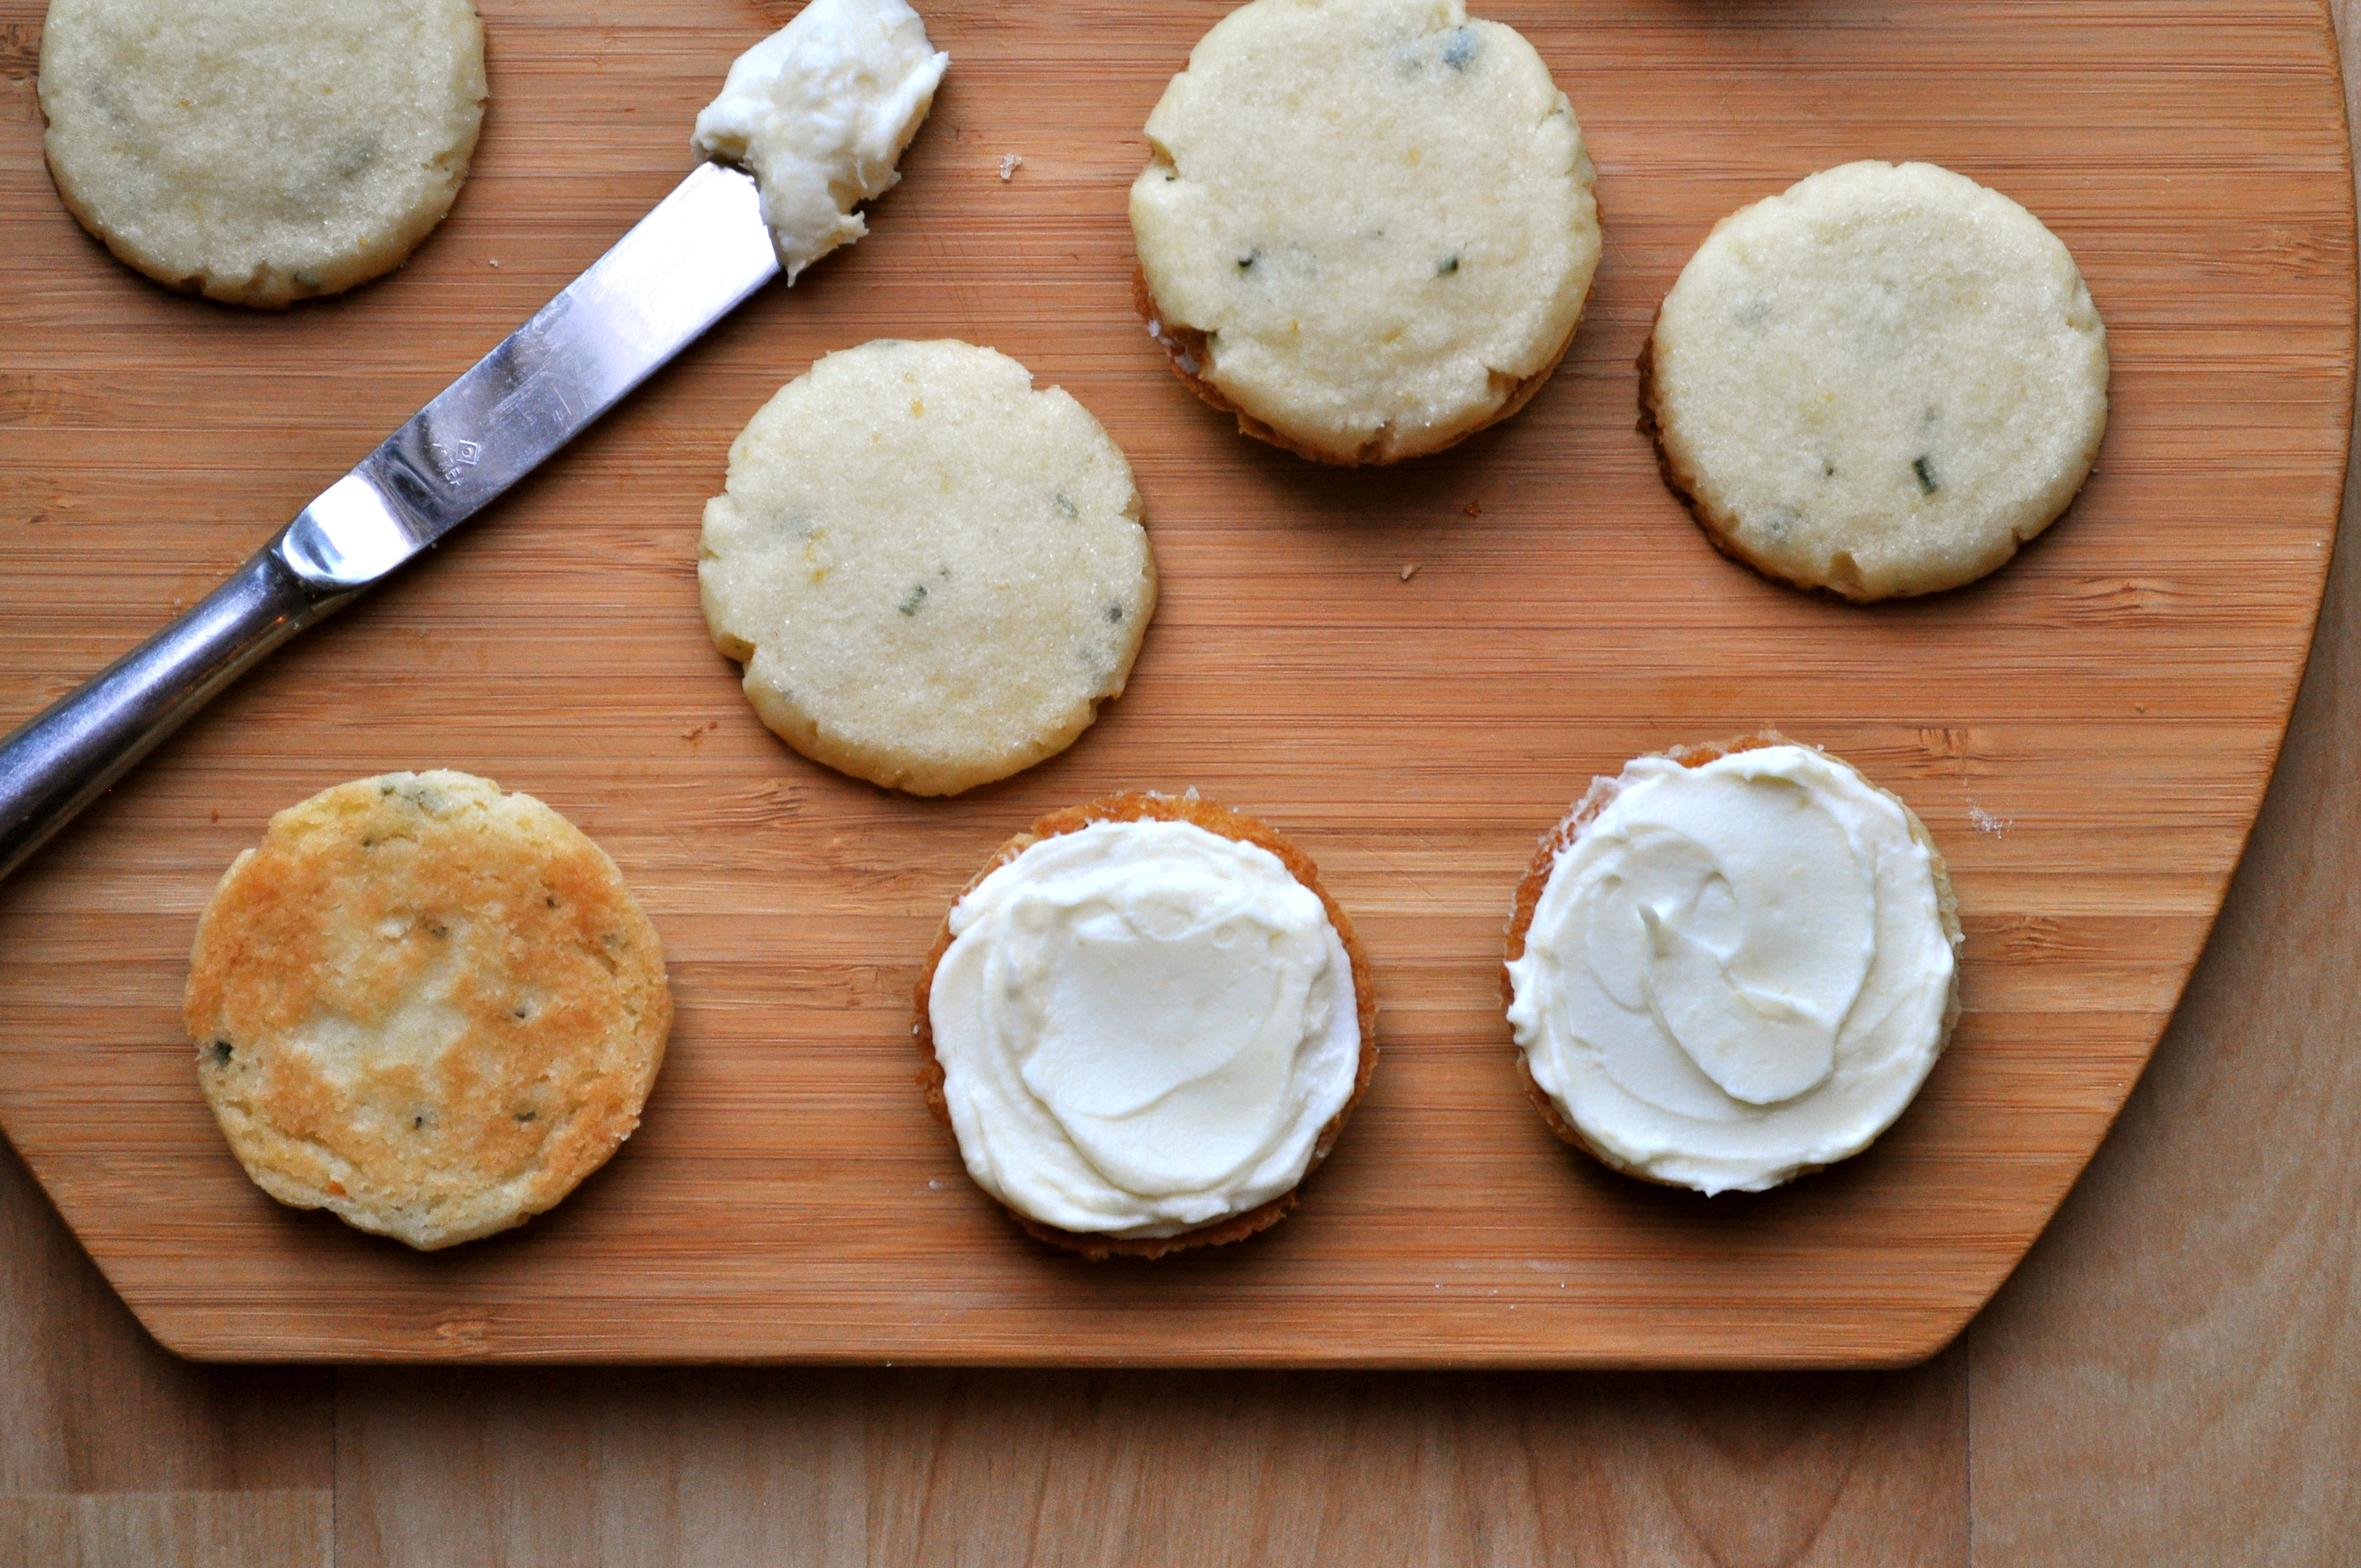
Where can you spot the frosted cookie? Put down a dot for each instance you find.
(1880, 383)
(821, 112)
(933, 573)
(426, 1006)
(258, 151)
(1731, 965)
(1146, 1021)
(1368, 227)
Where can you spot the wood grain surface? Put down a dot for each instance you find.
(2173, 1376)
(2109, 707)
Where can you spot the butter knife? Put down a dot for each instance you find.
(691, 261)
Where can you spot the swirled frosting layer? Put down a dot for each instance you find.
(1143, 1027)
(1736, 971)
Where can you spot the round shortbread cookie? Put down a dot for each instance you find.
(1880, 382)
(1368, 228)
(261, 151)
(999, 1110)
(424, 1006)
(933, 572)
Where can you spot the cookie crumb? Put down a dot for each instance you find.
(1009, 164)
(1985, 822)
(1409, 571)
(1474, 508)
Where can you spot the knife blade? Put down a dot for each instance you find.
(696, 256)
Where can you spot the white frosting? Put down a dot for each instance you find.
(1736, 971)
(820, 111)
(1143, 1027)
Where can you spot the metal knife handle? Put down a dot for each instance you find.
(688, 263)
(81, 744)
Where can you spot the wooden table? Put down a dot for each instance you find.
(2174, 1375)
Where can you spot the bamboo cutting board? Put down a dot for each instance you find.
(2088, 734)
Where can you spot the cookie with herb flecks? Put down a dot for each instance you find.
(426, 1006)
(933, 572)
(1880, 383)
(261, 151)
(1368, 227)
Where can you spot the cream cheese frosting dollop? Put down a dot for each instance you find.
(820, 112)
(1736, 971)
(1143, 1028)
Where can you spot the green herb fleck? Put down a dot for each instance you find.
(1245, 262)
(526, 1115)
(221, 1052)
(917, 598)
(1447, 267)
(1115, 615)
(1924, 467)
(385, 789)
(417, 1122)
(1461, 49)
(550, 899)
(1066, 508)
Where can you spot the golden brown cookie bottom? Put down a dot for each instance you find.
(386, 896)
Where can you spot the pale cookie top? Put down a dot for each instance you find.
(1377, 212)
(1143, 1028)
(426, 1006)
(261, 150)
(1880, 382)
(933, 572)
(1736, 971)
(821, 112)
